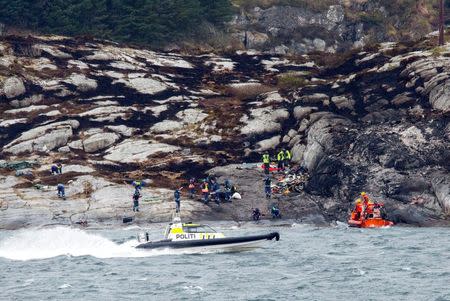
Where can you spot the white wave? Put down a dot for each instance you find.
(65, 285)
(52, 242)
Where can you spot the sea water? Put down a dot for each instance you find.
(308, 263)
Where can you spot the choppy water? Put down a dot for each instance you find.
(308, 263)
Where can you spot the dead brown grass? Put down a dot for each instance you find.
(248, 92)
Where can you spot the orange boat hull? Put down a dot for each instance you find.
(370, 223)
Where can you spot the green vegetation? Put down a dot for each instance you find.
(152, 22)
(290, 81)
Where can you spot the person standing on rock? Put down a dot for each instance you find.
(216, 190)
(59, 166)
(61, 191)
(266, 162)
(227, 190)
(280, 158)
(268, 187)
(177, 195)
(205, 191)
(287, 158)
(191, 188)
(136, 197)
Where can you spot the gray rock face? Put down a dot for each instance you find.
(363, 126)
(82, 83)
(43, 138)
(131, 151)
(264, 120)
(440, 97)
(99, 141)
(13, 87)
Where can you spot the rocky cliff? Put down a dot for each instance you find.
(300, 27)
(376, 121)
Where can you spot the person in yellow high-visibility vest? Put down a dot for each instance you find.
(280, 159)
(266, 162)
(287, 158)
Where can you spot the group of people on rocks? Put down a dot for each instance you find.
(283, 158)
(209, 187)
(56, 169)
(274, 212)
(366, 208)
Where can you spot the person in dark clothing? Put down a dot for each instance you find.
(191, 188)
(275, 211)
(59, 167)
(268, 187)
(256, 214)
(227, 187)
(54, 170)
(136, 197)
(177, 195)
(216, 190)
(61, 190)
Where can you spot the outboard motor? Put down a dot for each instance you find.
(143, 237)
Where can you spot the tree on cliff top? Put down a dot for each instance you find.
(152, 22)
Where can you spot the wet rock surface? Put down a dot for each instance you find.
(377, 122)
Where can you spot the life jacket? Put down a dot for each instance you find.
(280, 156)
(287, 155)
(266, 158)
(205, 187)
(359, 207)
(369, 207)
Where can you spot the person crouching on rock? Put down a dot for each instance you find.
(136, 197)
(61, 191)
(54, 169)
(177, 195)
(205, 191)
(137, 185)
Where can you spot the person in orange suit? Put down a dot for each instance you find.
(357, 212)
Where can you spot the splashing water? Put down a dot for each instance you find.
(52, 242)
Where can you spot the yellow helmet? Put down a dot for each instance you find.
(358, 201)
(363, 193)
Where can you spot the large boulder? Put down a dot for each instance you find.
(99, 141)
(440, 97)
(82, 83)
(43, 138)
(263, 120)
(134, 151)
(13, 87)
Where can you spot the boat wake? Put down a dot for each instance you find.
(62, 241)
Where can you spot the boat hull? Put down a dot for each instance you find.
(370, 223)
(228, 243)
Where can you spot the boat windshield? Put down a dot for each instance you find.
(198, 229)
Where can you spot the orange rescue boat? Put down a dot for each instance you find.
(370, 223)
(363, 219)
